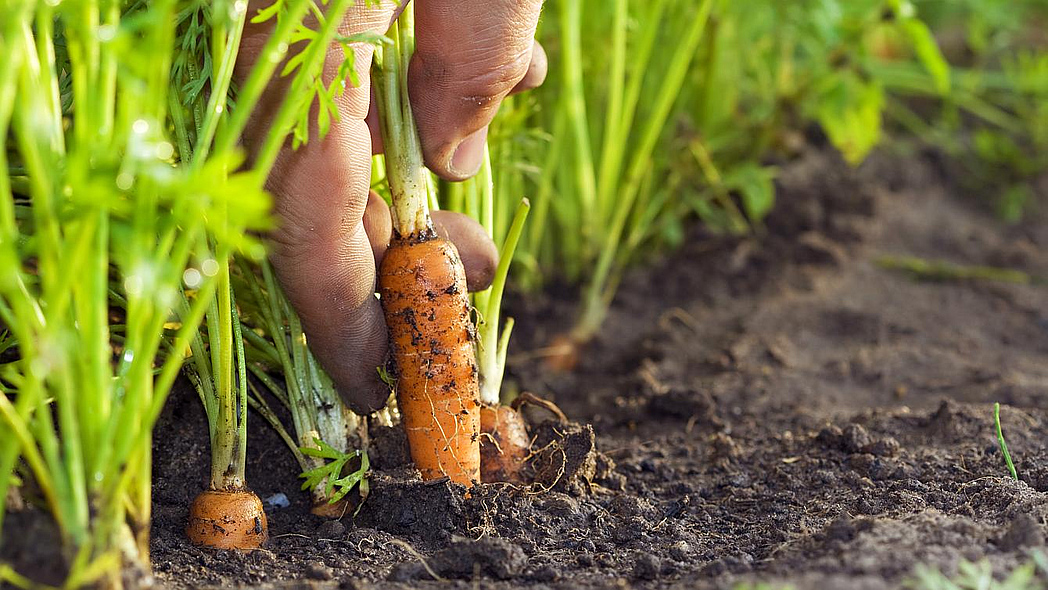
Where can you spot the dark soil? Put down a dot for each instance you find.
(777, 408)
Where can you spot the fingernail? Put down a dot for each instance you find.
(469, 155)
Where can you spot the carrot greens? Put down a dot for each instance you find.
(324, 427)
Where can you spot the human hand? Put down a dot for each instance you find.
(332, 231)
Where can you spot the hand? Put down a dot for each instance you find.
(333, 231)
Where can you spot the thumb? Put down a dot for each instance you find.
(469, 55)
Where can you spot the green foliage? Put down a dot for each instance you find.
(338, 485)
(124, 192)
(994, 119)
(277, 344)
(597, 198)
(976, 576)
(616, 152)
(310, 89)
(99, 217)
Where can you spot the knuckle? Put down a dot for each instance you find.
(476, 74)
(484, 81)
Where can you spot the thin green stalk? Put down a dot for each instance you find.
(8, 230)
(189, 330)
(260, 405)
(614, 126)
(1000, 441)
(575, 96)
(241, 364)
(17, 423)
(486, 188)
(594, 306)
(544, 191)
(225, 464)
(261, 345)
(269, 59)
(298, 95)
(220, 91)
(271, 384)
(491, 354)
(300, 414)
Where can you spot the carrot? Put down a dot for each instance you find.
(504, 444)
(562, 354)
(227, 520)
(423, 288)
(422, 284)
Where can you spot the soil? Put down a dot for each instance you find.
(779, 408)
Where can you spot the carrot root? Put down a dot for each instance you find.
(562, 354)
(504, 444)
(425, 302)
(227, 520)
(335, 510)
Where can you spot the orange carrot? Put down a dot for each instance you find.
(562, 354)
(504, 444)
(423, 288)
(227, 520)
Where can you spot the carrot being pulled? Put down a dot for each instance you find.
(422, 284)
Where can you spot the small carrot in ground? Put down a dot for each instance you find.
(422, 284)
(227, 520)
(504, 444)
(227, 515)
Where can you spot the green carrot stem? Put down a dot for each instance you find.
(269, 59)
(409, 181)
(491, 354)
(221, 81)
(1000, 441)
(262, 407)
(596, 293)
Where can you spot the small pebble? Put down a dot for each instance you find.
(679, 550)
(278, 500)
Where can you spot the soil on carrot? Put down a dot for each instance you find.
(777, 408)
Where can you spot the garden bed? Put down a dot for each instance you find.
(777, 408)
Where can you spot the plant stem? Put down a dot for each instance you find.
(269, 58)
(491, 357)
(220, 90)
(575, 92)
(1000, 441)
(596, 295)
(298, 95)
(408, 179)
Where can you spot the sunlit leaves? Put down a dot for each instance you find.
(324, 95)
(849, 110)
(755, 187)
(331, 471)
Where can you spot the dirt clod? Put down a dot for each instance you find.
(464, 559)
(646, 567)
(1024, 532)
(319, 571)
(331, 529)
(566, 459)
